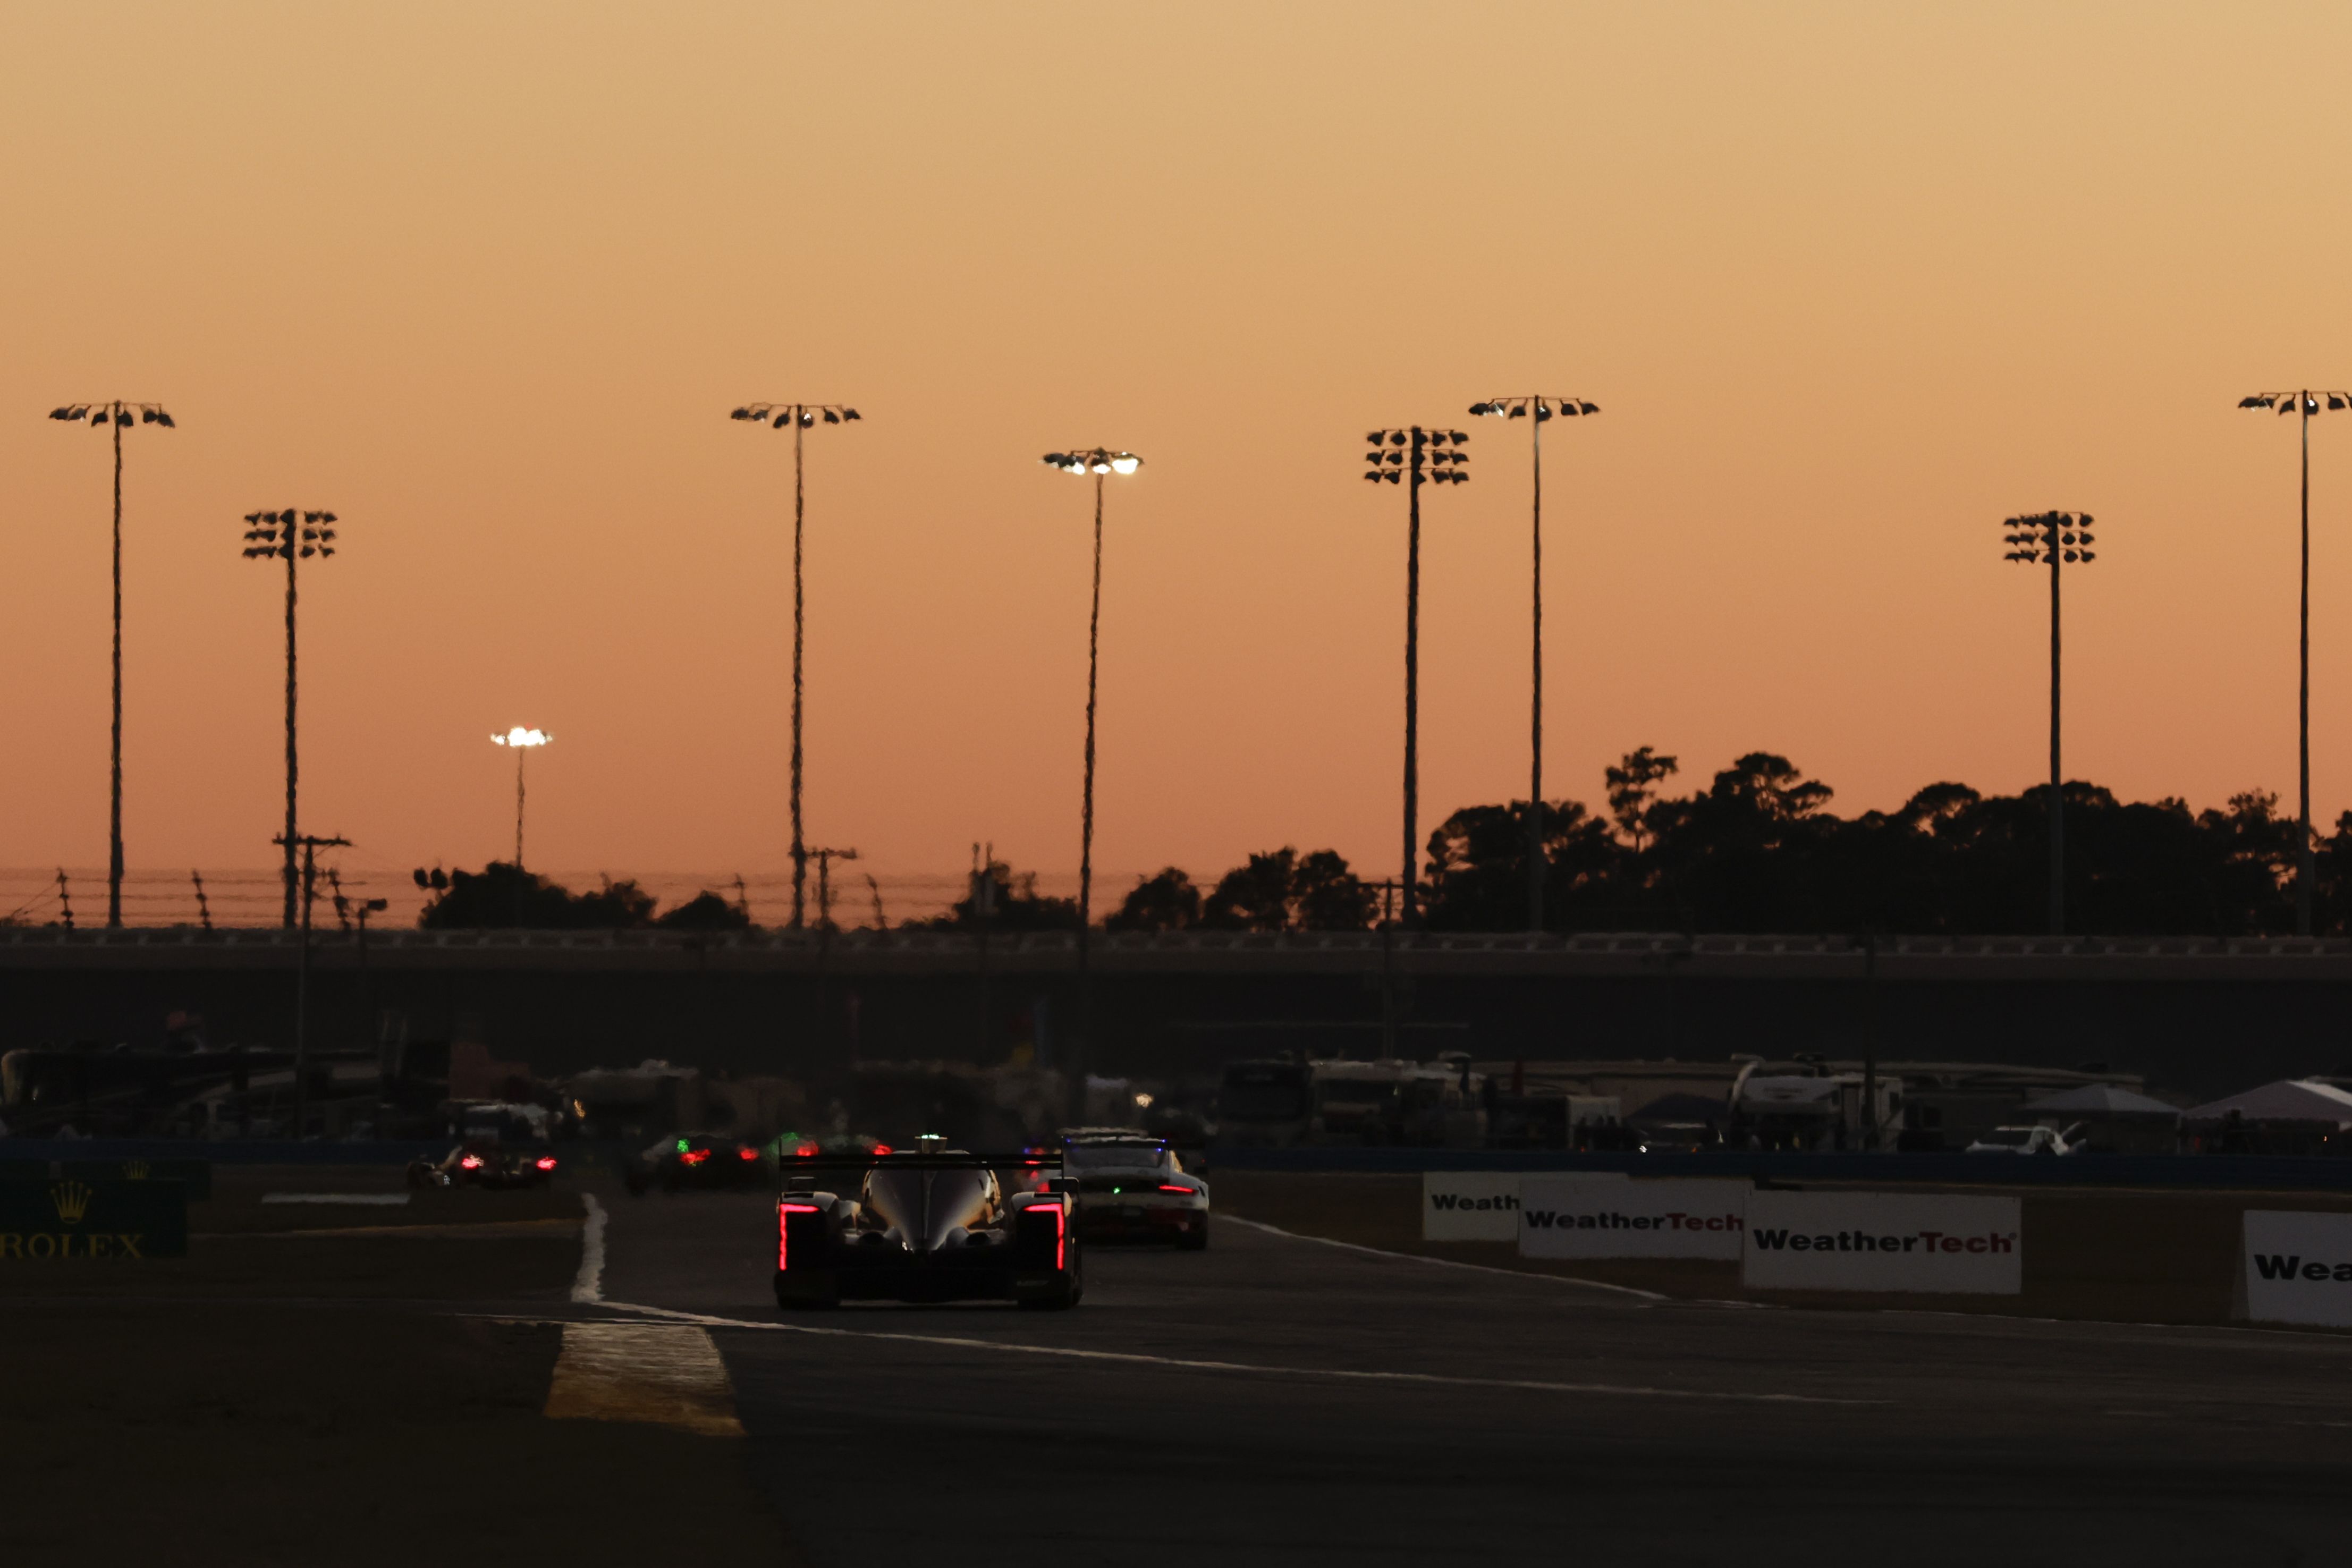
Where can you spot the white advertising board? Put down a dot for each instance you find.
(1883, 1241)
(1480, 1206)
(1652, 1217)
(2298, 1268)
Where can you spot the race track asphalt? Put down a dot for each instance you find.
(1282, 1400)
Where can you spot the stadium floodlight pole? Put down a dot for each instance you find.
(800, 416)
(1414, 456)
(1100, 462)
(293, 536)
(2052, 538)
(1536, 410)
(2304, 402)
(521, 742)
(116, 417)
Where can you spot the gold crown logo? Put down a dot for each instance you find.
(72, 1200)
(134, 1170)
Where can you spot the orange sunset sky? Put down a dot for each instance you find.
(1851, 282)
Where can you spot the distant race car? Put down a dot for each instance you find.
(933, 1226)
(698, 1162)
(1132, 1187)
(486, 1162)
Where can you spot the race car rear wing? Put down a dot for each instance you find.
(953, 1160)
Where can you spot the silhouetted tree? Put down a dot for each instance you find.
(1632, 785)
(1018, 907)
(504, 896)
(1167, 902)
(706, 911)
(1283, 889)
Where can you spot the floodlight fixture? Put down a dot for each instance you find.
(292, 535)
(114, 416)
(2307, 402)
(1542, 408)
(1099, 462)
(2054, 539)
(1412, 457)
(800, 416)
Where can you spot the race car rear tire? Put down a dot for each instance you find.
(1195, 1239)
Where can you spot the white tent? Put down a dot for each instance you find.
(2100, 1100)
(2288, 1099)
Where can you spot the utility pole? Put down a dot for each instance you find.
(1414, 456)
(1540, 409)
(116, 417)
(310, 846)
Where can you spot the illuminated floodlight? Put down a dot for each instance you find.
(519, 736)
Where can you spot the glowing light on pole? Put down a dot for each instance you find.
(799, 416)
(2304, 404)
(295, 537)
(116, 417)
(1099, 462)
(1413, 457)
(521, 742)
(1541, 409)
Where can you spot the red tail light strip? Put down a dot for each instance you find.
(783, 1230)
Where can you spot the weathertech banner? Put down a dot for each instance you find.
(2299, 1268)
(1662, 1217)
(1883, 1241)
(1483, 1205)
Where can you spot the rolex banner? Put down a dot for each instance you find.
(53, 1222)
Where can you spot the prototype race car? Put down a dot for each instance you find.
(1132, 1187)
(933, 1226)
(698, 1162)
(486, 1162)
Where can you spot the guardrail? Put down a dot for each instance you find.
(2251, 1172)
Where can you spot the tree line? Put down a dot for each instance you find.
(1759, 849)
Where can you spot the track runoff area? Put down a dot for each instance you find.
(1285, 1397)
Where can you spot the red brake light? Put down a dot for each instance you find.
(747, 1154)
(1061, 1237)
(1170, 1187)
(471, 1162)
(881, 1148)
(783, 1230)
(546, 1162)
(694, 1156)
(807, 1151)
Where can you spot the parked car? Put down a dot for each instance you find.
(2028, 1141)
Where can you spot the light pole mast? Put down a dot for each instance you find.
(116, 417)
(1414, 456)
(2050, 538)
(2304, 404)
(1100, 463)
(799, 416)
(1541, 409)
(521, 742)
(294, 536)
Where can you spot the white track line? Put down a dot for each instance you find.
(1441, 1262)
(1134, 1358)
(588, 1286)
